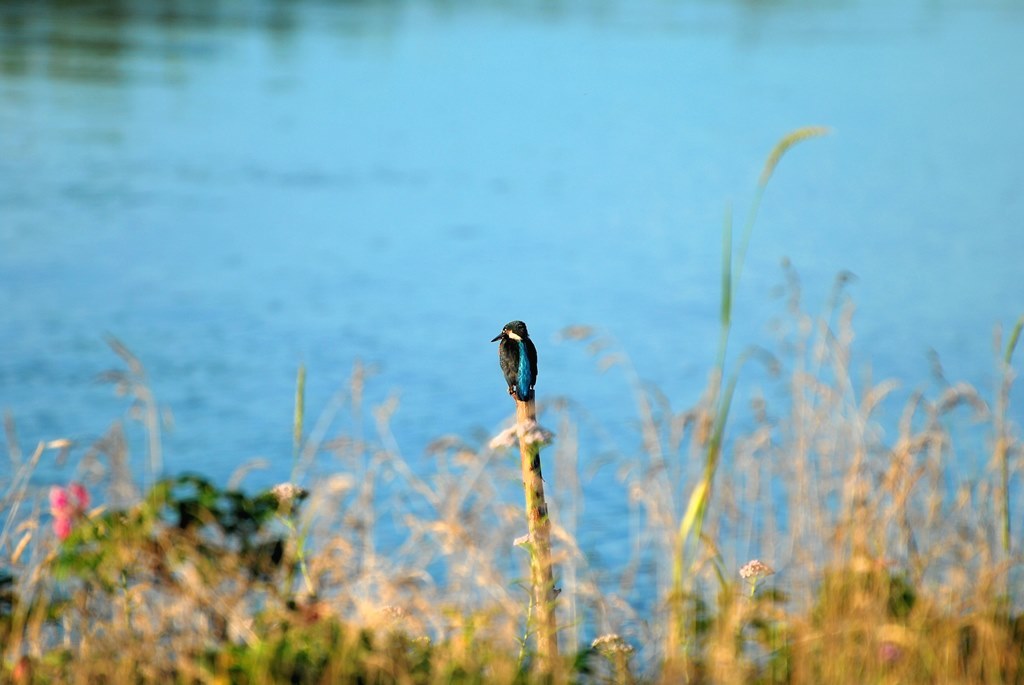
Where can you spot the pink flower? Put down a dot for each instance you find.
(62, 527)
(66, 505)
(80, 495)
(60, 502)
(889, 652)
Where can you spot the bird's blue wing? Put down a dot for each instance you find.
(526, 374)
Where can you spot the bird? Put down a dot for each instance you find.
(518, 359)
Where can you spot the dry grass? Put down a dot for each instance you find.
(888, 525)
(885, 533)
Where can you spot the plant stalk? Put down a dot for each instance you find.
(539, 525)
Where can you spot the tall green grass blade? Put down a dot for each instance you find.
(774, 157)
(1002, 452)
(725, 308)
(300, 410)
(1011, 345)
(692, 521)
(788, 141)
(694, 508)
(730, 279)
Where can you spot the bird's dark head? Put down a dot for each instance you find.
(516, 330)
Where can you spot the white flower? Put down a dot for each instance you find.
(755, 568)
(504, 439)
(393, 613)
(533, 434)
(286, 493)
(612, 643)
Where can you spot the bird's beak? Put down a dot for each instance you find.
(499, 337)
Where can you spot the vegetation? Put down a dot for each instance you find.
(885, 538)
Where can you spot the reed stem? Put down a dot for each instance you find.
(1002, 442)
(542, 580)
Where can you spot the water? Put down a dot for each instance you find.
(233, 189)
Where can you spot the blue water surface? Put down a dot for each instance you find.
(235, 189)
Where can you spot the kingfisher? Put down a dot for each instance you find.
(518, 359)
